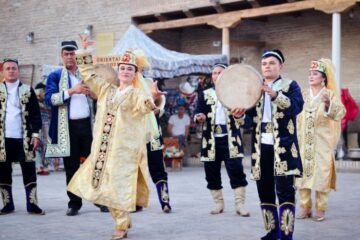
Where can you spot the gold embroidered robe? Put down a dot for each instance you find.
(116, 173)
(318, 135)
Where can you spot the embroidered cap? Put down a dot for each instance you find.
(69, 45)
(327, 67)
(11, 60)
(128, 58)
(274, 53)
(317, 66)
(222, 65)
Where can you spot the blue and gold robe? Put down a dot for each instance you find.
(284, 109)
(57, 83)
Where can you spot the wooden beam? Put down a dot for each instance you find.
(336, 6)
(161, 17)
(188, 13)
(230, 19)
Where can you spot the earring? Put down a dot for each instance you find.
(323, 83)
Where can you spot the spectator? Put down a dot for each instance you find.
(179, 125)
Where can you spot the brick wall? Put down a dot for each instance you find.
(52, 22)
(302, 38)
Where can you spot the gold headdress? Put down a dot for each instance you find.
(326, 66)
(128, 58)
(138, 59)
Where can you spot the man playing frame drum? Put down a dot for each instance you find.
(275, 152)
(221, 141)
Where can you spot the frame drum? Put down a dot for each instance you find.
(239, 86)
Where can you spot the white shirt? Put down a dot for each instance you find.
(220, 117)
(267, 138)
(13, 120)
(179, 124)
(79, 106)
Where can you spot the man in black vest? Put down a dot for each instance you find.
(221, 141)
(20, 123)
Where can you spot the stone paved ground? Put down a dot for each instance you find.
(190, 219)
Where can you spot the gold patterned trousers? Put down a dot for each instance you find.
(321, 199)
(122, 219)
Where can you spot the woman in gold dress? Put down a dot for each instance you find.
(115, 173)
(318, 133)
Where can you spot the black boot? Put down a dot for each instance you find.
(287, 220)
(6, 194)
(31, 200)
(163, 194)
(102, 207)
(271, 221)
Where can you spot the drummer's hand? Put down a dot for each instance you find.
(269, 91)
(200, 117)
(238, 112)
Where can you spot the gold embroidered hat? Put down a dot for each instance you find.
(138, 59)
(317, 66)
(325, 66)
(128, 58)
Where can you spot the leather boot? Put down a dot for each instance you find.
(31, 200)
(163, 194)
(287, 220)
(240, 201)
(219, 201)
(6, 194)
(271, 221)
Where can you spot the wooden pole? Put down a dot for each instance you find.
(226, 42)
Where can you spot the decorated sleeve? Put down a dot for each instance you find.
(248, 120)
(336, 110)
(53, 95)
(87, 71)
(239, 121)
(290, 101)
(145, 104)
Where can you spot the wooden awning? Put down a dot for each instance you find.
(226, 16)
